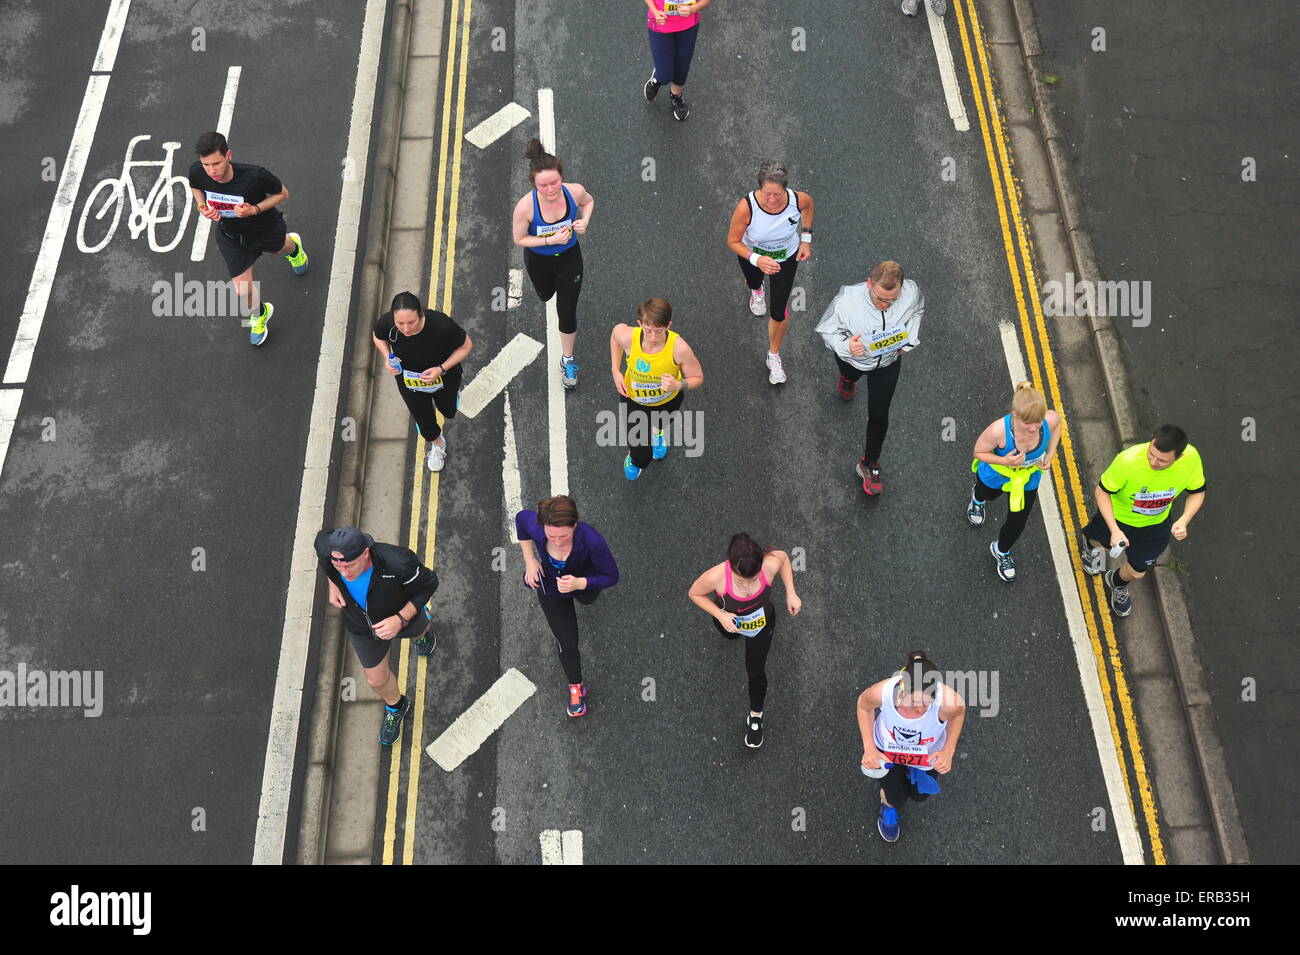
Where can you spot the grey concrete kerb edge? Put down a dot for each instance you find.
(1186, 660)
(318, 783)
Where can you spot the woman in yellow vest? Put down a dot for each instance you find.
(660, 368)
(1011, 455)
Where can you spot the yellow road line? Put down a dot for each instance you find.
(1075, 497)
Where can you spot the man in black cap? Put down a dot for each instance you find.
(382, 590)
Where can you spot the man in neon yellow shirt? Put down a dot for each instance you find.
(1134, 500)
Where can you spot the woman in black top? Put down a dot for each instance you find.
(426, 349)
(737, 593)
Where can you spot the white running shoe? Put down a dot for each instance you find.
(775, 370)
(437, 455)
(758, 302)
(911, 6)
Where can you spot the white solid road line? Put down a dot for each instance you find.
(497, 125)
(561, 848)
(1130, 842)
(951, 93)
(556, 415)
(492, 380)
(200, 246)
(106, 55)
(485, 716)
(511, 484)
(19, 365)
(286, 708)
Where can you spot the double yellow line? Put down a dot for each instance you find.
(1069, 489)
(424, 514)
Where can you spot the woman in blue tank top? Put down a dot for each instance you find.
(1011, 455)
(547, 223)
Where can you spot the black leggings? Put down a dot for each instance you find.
(563, 620)
(641, 452)
(558, 275)
(421, 405)
(782, 283)
(881, 383)
(1015, 523)
(897, 789)
(756, 649)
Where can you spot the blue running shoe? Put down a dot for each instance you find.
(568, 372)
(659, 444)
(630, 470)
(392, 725)
(257, 324)
(887, 823)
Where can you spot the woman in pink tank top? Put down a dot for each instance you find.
(738, 595)
(673, 26)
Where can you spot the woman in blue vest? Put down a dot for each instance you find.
(1011, 455)
(547, 223)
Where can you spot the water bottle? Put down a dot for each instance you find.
(1118, 549)
(394, 363)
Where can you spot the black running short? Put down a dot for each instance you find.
(372, 651)
(242, 250)
(1145, 544)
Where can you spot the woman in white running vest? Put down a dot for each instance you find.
(771, 233)
(910, 724)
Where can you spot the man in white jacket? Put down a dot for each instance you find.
(870, 327)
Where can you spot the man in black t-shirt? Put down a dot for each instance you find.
(241, 199)
(426, 349)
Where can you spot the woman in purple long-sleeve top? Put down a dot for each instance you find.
(564, 560)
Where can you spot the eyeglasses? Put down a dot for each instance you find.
(884, 301)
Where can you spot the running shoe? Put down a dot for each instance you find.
(437, 456)
(630, 470)
(652, 88)
(298, 259)
(910, 7)
(576, 692)
(775, 370)
(392, 725)
(257, 324)
(870, 474)
(940, 7)
(846, 389)
(887, 823)
(1120, 602)
(1006, 566)
(569, 372)
(1094, 558)
(758, 302)
(680, 109)
(753, 731)
(424, 646)
(975, 510)
(658, 446)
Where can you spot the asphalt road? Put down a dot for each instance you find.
(860, 119)
(170, 433)
(1160, 132)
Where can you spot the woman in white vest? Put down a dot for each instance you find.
(771, 233)
(910, 724)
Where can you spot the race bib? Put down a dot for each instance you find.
(1152, 503)
(675, 9)
(891, 339)
(778, 254)
(646, 393)
(223, 203)
(413, 382)
(546, 229)
(751, 623)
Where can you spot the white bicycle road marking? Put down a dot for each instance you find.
(144, 215)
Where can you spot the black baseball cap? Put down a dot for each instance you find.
(349, 542)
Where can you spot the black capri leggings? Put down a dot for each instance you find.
(558, 275)
(756, 650)
(563, 619)
(782, 283)
(881, 383)
(642, 452)
(1015, 523)
(897, 789)
(421, 405)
